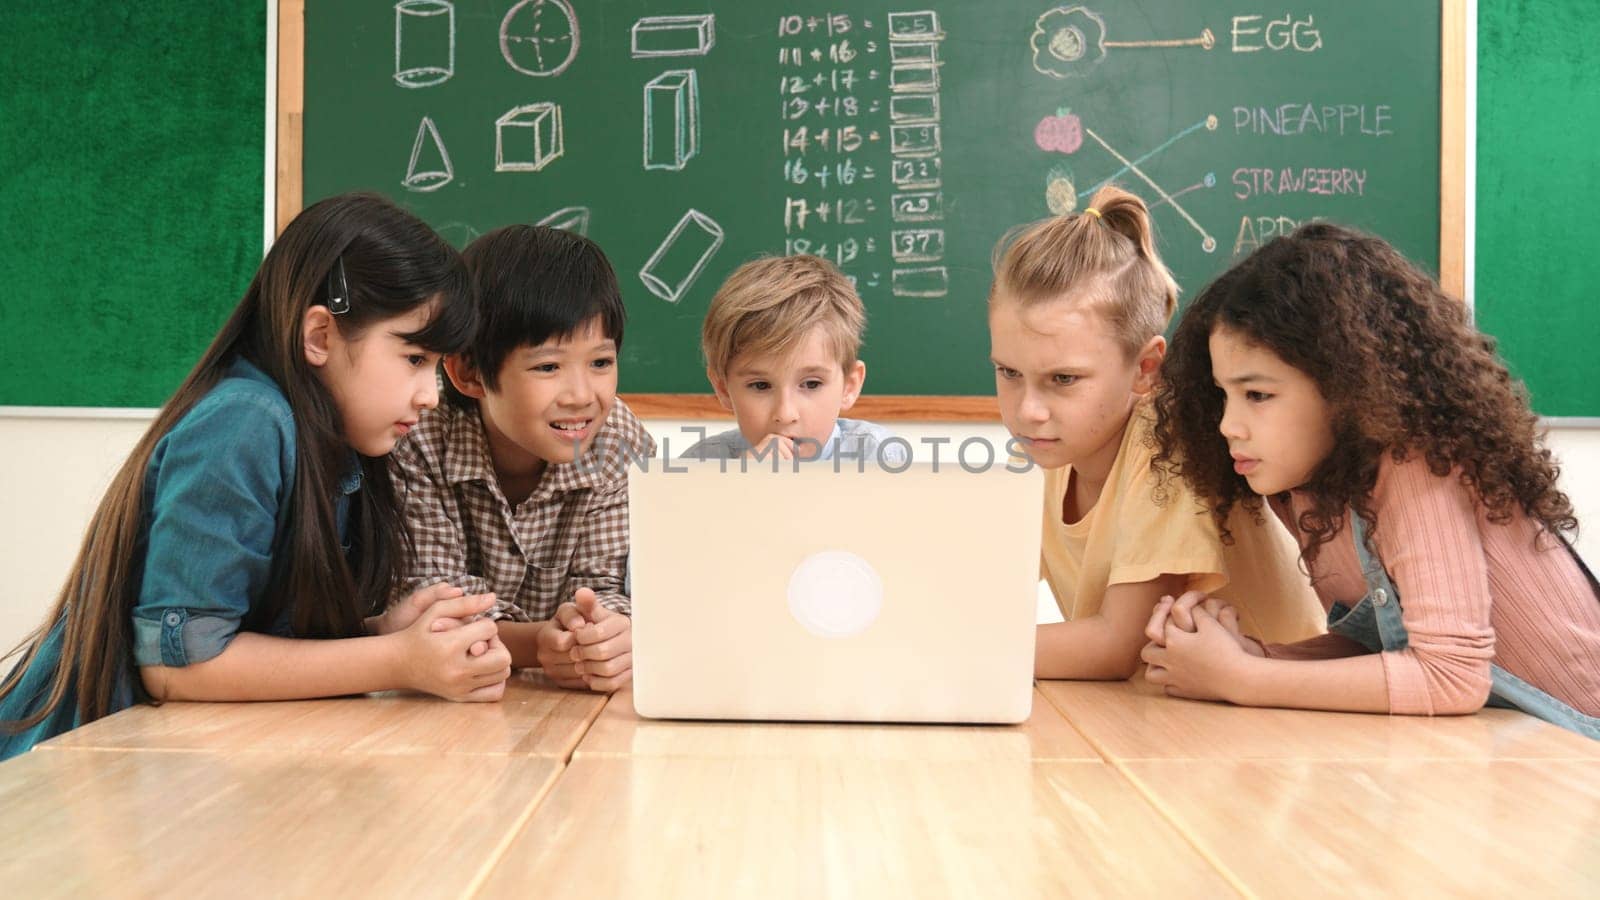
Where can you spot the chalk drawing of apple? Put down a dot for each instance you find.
(1061, 132)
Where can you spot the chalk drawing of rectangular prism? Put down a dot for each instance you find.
(917, 244)
(925, 281)
(674, 36)
(527, 138)
(913, 140)
(920, 78)
(914, 26)
(917, 174)
(919, 206)
(671, 119)
(925, 52)
(914, 108)
(675, 265)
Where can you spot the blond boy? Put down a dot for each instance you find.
(781, 340)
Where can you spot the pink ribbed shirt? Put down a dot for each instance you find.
(1472, 592)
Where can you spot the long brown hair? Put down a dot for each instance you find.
(393, 263)
(1104, 257)
(1402, 369)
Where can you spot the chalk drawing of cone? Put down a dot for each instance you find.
(424, 42)
(430, 167)
(680, 259)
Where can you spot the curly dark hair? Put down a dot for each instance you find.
(1400, 365)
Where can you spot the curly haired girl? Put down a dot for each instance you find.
(1332, 377)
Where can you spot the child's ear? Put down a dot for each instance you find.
(317, 334)
(1149, 361)
(464, 375)
(720, 387)
(855, 375)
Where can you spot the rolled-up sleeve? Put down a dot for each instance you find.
(217, 483)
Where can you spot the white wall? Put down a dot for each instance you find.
(53, 470)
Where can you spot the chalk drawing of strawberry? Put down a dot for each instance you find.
(1061, 132)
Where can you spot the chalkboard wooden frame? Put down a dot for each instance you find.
(1452, 211)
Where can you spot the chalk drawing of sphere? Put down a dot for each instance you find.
(1066, 40)
(539, 37)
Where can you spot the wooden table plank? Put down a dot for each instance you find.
(834, 827)
(1390, 828)
(536, 718)
(620, 732)
(1134, 720)
(91, 823)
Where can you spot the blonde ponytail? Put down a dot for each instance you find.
(1104, 258)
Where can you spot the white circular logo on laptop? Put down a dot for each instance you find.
(835, 594)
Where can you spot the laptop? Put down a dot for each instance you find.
(810, 594)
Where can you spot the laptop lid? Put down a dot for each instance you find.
(829, 593)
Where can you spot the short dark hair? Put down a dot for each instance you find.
(533, 283)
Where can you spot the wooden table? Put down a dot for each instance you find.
(1106, 789)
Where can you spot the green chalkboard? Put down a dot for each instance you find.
(1538, 129)
(671, 134)
(131, 160)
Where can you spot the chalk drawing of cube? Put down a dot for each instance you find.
(671, 119)
(682, 256)
(527, 138)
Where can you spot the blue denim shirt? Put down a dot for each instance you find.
(215, 496)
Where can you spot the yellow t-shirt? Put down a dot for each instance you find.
(1131, 536)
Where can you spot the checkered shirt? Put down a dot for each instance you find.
(571, 532)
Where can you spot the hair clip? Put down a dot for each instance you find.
(338, 289)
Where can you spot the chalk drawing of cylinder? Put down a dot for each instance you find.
(424, 42)
(671, 119)
(680, 259)
(527, 138)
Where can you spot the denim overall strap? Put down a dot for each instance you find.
(1375, 621)
(1376, 624)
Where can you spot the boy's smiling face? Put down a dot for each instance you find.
(551, 401)
(799, 396)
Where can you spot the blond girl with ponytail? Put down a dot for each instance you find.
(1076, 315)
